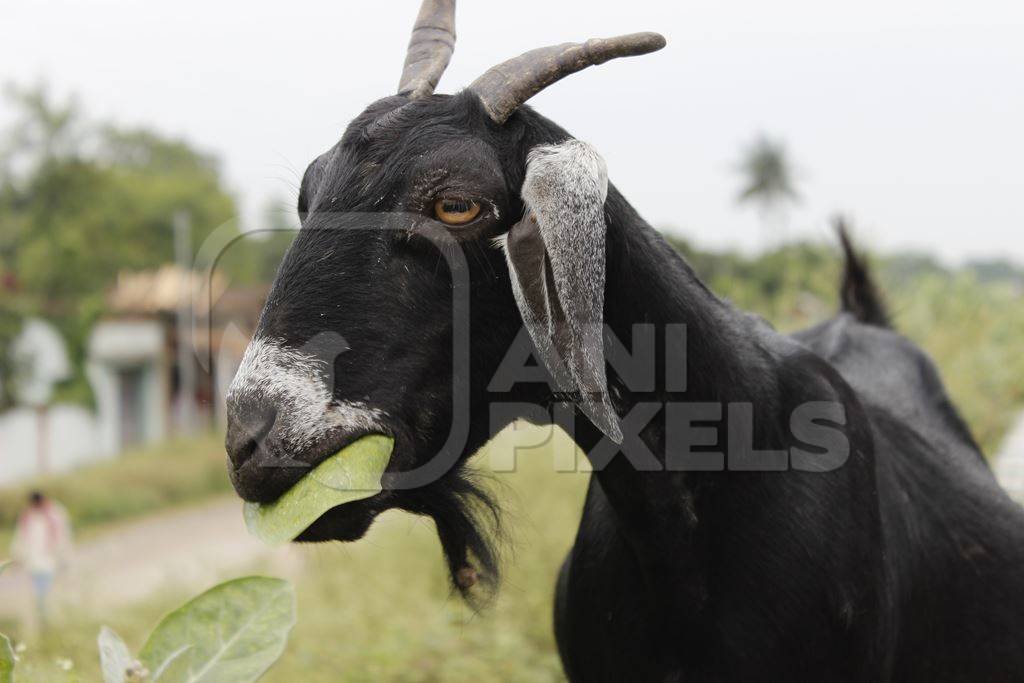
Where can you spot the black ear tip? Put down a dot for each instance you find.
(606, 419)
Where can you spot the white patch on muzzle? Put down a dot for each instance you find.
(295, 384)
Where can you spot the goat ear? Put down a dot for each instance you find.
(556, 257)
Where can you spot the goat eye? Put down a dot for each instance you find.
(456, 211)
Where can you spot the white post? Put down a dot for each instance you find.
(42, 439)
(186, 363)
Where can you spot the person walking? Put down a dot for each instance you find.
(42, 543)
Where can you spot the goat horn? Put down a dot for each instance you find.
(430, 48)
(503, 88)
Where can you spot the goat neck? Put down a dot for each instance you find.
(681, 523)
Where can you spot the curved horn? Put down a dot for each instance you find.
(504, 87)
(430, 48)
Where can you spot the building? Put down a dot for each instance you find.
(142, 392)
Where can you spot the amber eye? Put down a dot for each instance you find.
(456, 211)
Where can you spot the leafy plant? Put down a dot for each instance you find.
(7, 656)
(7, 660)
(232, 633)
(69, 185)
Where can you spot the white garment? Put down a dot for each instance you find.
(42, 538)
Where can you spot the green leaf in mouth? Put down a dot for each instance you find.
(353, 473)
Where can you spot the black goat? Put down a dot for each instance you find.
(763, 507)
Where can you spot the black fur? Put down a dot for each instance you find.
(904, 564)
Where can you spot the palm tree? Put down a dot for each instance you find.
(768, 182)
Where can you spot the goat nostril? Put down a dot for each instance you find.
(246, 432)
(240, 454)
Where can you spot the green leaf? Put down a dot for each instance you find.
(7, 660)
(351, 474)
(232, 633)
(4, 564)
(115, 658)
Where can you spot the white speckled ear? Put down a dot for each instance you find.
(556, 257)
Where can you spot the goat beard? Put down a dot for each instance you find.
(468, 522)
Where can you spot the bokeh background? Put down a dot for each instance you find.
(135, 136)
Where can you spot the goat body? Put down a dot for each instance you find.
(906, 564)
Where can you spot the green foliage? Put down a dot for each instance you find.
(792, 286)
(232, 633)
(767, 175)
(7, 657)
(77, 213)
(13, 311)
(996, 270)
(173, 473)
(78, 204)
(229, 634)
(972, 326)
(252, 258)
(974, 332)
(7, 660)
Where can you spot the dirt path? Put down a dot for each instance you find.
(1009, 465)
(182, 548)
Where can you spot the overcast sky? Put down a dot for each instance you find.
(906, 114)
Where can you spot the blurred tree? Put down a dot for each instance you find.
(45, 130)
(78, 204)
(906, 268)
(970, 323)
(767, 181)
(253, 258)
(996, 270)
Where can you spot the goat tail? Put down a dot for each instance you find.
(858, 293)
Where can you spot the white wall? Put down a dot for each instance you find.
(72, 440)
(75, 435)
(70, 433)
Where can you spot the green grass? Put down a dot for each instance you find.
(138, 482)
(972, 328)
(381, 610)
(975, 334)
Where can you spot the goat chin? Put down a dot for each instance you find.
(468, 522)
